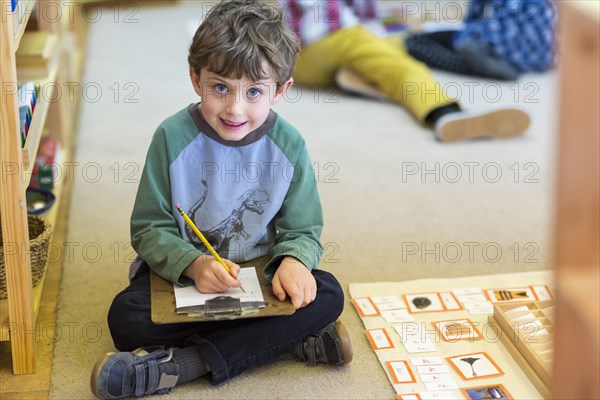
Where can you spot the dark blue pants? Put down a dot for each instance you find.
(228, 347)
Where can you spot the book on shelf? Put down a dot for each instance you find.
(35, 54)
(19, 13)
(15, 15)
(46, 170)
(27, 98)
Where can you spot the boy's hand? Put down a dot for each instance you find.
(294, 279)
(210, 276)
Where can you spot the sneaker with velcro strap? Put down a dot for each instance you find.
(138, 373)
(330, 345)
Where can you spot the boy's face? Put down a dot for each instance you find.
(235, 107)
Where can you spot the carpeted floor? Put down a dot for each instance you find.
(398, 205)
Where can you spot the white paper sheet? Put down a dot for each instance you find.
(190, 296)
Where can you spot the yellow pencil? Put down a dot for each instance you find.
(204, 241)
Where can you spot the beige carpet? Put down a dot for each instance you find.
(389, 215)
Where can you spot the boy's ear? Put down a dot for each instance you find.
(195, 78)
(281, 91)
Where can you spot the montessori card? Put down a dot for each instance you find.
(475, 365)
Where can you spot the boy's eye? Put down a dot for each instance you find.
(220, 88)
(254, 93)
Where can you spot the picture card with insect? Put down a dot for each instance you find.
(457, 329)
(511, 295)
(424, 302)
(475, 366)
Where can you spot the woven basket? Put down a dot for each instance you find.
(39, 239)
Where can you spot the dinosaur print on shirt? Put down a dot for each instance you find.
(230, 229)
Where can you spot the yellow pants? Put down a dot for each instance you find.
(382, 62)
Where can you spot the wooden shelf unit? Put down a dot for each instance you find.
(577, 218)
(52, 117)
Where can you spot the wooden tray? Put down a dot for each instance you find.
(528, 327)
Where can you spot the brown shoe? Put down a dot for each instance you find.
(330, 345)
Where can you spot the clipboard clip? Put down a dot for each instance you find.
(225, 307)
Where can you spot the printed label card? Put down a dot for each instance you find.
(457, 329)
(481, 310)
(437, 378)
(529, 317)
(414, 338)
(379, 339)
(532, 329)
(475, 366)
(487, 392)
(432, 369)
(365, 307)
(424, 302)
(396, 305)
(517, 312)
(542, 292)
(384, 299)
(413, 332)
(436, 386)
(479, 307)
(478, 304)
(471, 298)
(440, 394)
(415, 346)
(468, 290)
(397, 316)
(510, 295)
(426, 361)
(409, 396)
(400, 372)
(450, 302)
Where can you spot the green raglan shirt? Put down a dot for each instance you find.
(250, 198)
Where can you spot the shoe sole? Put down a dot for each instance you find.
(344, 341)
(502, 123)
(353, 83)
(96, 374)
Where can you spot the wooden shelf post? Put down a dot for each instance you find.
(13, 209)
(577, 227)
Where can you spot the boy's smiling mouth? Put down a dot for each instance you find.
(232, 124)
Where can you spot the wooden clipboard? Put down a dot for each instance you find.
(162, 299)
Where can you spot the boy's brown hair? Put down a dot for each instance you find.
(237, 37)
